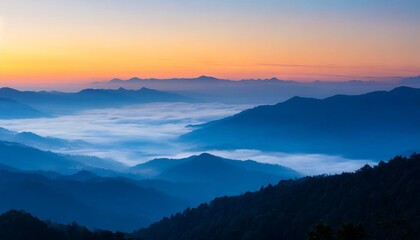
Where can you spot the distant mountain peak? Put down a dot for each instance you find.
(116, 80)
(121, 89)
(8, 90)
(134, 79)
(207, 155)
(88, 90)
(404, 89)
(145, 89)
(204, 77)
(119, 80)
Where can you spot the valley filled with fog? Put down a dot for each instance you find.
(135, 134)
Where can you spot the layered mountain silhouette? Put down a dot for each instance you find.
(373, 125)
(36, 141)
(107, 203)
(411, 81)
(378, 203)
(89, 188)
(205, 176)
(10, 109)
(61, 102)
(26, 158)
(256, 91)
(372, 203)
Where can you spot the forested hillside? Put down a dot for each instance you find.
(382, 202)
(19, 225)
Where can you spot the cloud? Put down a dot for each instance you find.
(136, 134)
(131, 134)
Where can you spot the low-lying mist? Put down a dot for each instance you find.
(139, 133)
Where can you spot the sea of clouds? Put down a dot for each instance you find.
(136, 134)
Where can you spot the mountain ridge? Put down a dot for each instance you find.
(333, 125)
(89, 98)
(200, 178)
(11, 109)
(108, 203)
(257, 91)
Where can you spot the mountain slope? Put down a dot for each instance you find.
(373, 125)
(411, 81)
(203, 177)
(31, 159)
(36, 141)
(384, 200)
(207, 167)
(107, 203)
(10, 109)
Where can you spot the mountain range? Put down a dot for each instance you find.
(102, 194)
(375, 125)
(62, 102)
(372, 203)
(36, 141)
(256, 91)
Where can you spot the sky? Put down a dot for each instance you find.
(79, 41)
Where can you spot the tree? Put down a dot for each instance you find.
(350, 231)
(321, 231)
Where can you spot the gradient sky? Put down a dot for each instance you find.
(71, 41)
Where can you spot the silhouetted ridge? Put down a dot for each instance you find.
(202, 177)
(204, 77)
(96, 202)
(19, 225)
(384, 200)
(373, 126)
(61, 102)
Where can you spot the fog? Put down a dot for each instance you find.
(139, 133)
(131, 134)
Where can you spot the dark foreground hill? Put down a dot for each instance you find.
(373, 203)
(377, 125)
(19, 225)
